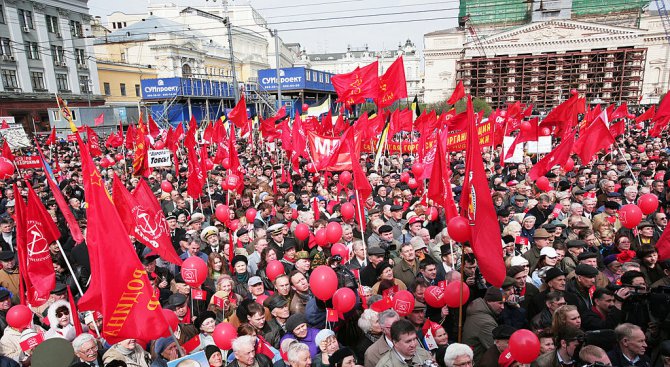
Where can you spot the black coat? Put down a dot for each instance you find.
(617, 359)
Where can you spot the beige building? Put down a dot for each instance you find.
(120, 82)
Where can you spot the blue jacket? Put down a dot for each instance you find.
(309, 340)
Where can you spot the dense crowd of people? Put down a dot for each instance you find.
(593, 291)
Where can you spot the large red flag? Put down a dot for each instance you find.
(558, 156)
(592, 139)
(299, 140)
(647, 115)
(401, 120)
(119, 285)
(564, 116)
(195, 176)
(663, 245)
(52, 137)
(356, 86)
(663, 111)
(144, 219)
(392, 85)
(21, 239)
(439, 186)
(93, 141)
(531, 134)
(71, 221)
(141, 158)
(7, 151)
(154, 130)
(457, 94)
(238, 115)
(130, 136)
(477, 207)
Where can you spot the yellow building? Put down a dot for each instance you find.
(120, 82)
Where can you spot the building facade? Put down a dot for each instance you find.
(45, 49)
(120, 82)
(610, 54)
(344, 62)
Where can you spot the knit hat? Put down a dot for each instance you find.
(552, 273)
(162, 344)
(294, 321)
(210, 350)
(202, 317)
(381, 267)
(338, 357)
(493, 294)
(323, 335)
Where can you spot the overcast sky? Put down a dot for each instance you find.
(296, 13)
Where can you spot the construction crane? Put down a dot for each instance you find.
(665, 19)
(473, 32)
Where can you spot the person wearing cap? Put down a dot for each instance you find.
(570, 261)
(405, 351)
(567, 341)
(501, 335)
(297, 328)
(579, 286)
(645, 235)
(343, 357)
(177, 234)
(548, 258)
(608, 216)
(195, 223)
(368, 274)
(541, 239)
(256, 287)
(386, 240)
(407, 267)
(482, 318)
(210, 236)
(9, 275)
(165, 350)
(278, 240)
(327, 342)
(397, 223)
(591, 259)
(278, 307)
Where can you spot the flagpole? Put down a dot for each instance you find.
(69, 266)
(360, 220)
(460, 300)
(181, 350)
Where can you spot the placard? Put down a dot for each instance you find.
(7, 120)
(160, 158)
(25, 162)
(16, 137)
(71, 138)
(543, 145)
(198, 359)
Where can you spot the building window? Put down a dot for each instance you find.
(186, 71)
(9, 80)
(308, 74)
(55, 115)
(2, 14)
(80, 56)
(52, 23)
(26, 18)
(58, 54)
(107, 88)
(122, 86)
(32, 50)
(61, 83)
(75, 29)
(137, 90)
(84, 84)
(5, 47)
(37, 80)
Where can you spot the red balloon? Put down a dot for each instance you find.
(543, 184)
(434, 297)
(274, 269)
(417, 169)
(321, 237)
(166, 186)
(323, 282)
(344, 300)
(234, 225)
(345, 178)
(232, 181)
(294, 213)
(159, 144)
(412, 183)
(403, 302)
(333, 232)
(569, 165)
(524, 346)
(342, 250)
(433, 214)
(452, 294)
(104, 163)
(250, 215)
(404, 177)
(194, 271)
(305, 106)
(19, 317)
(459, 229)
(630, 215)
(222, 213)
(526, 127)
(209, 164)
(348, 211)
(225, 163)
(118, 156)
(648, 203)
(223, 335)
(301, 232)
(545, 131)
(224, 185)
(310, 168)
(171, 318)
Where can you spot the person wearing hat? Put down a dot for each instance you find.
(214, 357)
(645, 235)
(205, 323)
(177, 234)
(368, 274)
(210, 236)
(343, 357)
(591, 259)
(278, 307)
(405, 351)
(195, 223)
(297, 328)
(278, 240)
(579, 286)
(407, 267)
(541, 240)
(501, 335)
(570, 261)
(327, 342)
(397, 223)
(482, 318)
(257, 287)
(9, 275)
(165, 350)
(608, 216)
(178, 303)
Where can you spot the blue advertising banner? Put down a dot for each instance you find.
(160, 88)
(291, 78)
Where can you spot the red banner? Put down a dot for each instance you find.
(456, 141)
(25, 162)
(322, 147)
(396, 147)
(71, 138)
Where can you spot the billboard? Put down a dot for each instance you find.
(291, 78)
(160, 88)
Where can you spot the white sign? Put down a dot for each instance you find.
(16, 137)
(543, 145)
(518, 150)
(8, 119)
(160, 158)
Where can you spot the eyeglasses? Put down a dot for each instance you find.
(62, 313)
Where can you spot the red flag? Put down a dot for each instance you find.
(141, 158)
(356, 86)
(620, 112)
(130, 137)
(531, 134)
(663, 245)
(121, 286)
(558, 156)
(238, 115)
(143, 218)
(72, 223)
(401, 120)
(618, 129)
(93, 142)
(457, 94)
(592, 139)
(315, 208)
(299, 141)
(392, 85)
(52, 137)
(21, 248)
(154, 130)
(75, 314)
(4, 125)
(195, 176)
(663, 111)
(99, 121)
(477, 207)
(439, 186)
(564, 116)
(7, 151)
(647, 115)
(190, 139)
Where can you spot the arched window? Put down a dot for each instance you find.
(186, 71)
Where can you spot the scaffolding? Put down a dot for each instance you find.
(545, 80)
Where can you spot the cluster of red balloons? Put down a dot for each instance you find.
(6, 168)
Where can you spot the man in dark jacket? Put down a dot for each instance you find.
(245, 353)
(369, 273)
(631, 346)
(501, 335)
(605, 313)
(579, 287)
(482, 318)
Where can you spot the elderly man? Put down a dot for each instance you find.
(129, 352)
(631, 346)
(244, 349)
(405, 351)
(9, 275)
(407, 268)
(86, 350)
(482, 315)
(458, 355)
(383, 345)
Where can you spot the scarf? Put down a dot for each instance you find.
(242, 278)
